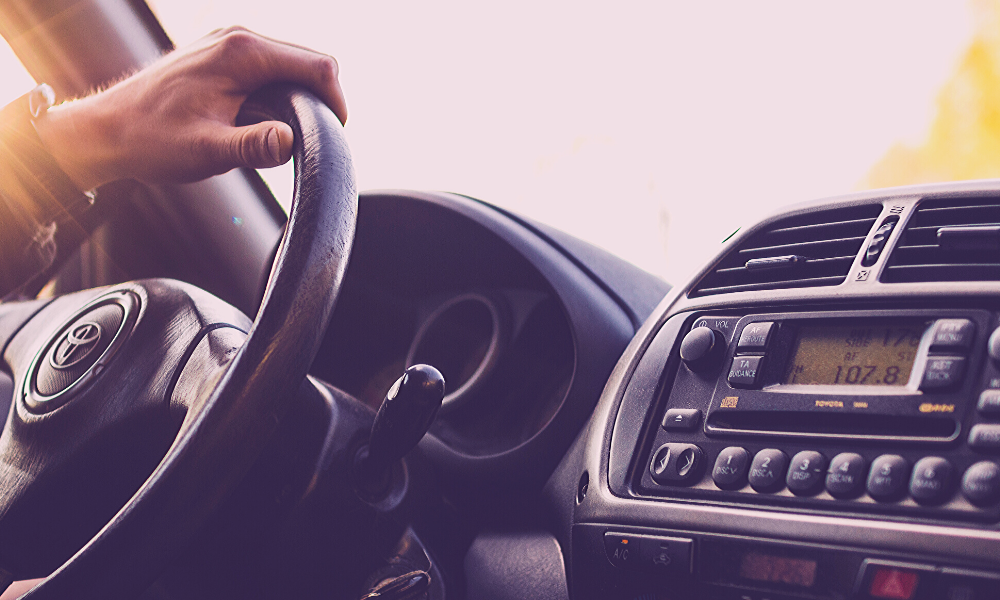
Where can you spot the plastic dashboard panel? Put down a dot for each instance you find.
(414, 250)
(840, 536)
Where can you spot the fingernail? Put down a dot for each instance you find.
(273, 145)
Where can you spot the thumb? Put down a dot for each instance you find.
(259, 146)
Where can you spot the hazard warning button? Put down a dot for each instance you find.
(894, 581)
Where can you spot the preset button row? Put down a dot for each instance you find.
(847, 475)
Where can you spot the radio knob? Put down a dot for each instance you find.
(702, 347)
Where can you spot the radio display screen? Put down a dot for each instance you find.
(853, 354)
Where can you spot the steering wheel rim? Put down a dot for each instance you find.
(221, 438)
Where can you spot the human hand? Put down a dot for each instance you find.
(174, 120)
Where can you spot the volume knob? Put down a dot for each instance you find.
(701, 348)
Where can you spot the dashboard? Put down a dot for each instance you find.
(814, 416)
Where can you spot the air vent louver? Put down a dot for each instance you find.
(810, 250)
(949, 240)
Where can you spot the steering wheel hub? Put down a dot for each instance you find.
(79, 351)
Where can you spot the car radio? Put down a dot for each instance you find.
(887, 411)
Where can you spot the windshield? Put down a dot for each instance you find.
(651, 129)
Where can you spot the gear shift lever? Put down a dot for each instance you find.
(406, 413)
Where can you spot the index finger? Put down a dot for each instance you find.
(271, 60)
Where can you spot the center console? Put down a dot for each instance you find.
(858, 411)
(831, 443)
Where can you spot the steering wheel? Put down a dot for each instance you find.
(139, 408)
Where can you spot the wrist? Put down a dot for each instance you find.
(76, 135)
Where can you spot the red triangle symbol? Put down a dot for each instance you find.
(894, 584)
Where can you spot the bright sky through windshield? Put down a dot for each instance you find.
(652, 129)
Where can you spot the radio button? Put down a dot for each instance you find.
(681, 419)
(767, 472)
(806, 473)
(730, 471)
(985, 437)
(989, 402)
(888, 477)
(952, 334)
(931, 480)
(675, 463)
(981, 483)
(846, 474)
(744, 371)
(755, 336)
(994, 345)
(942, 372)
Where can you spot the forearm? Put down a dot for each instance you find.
(39, 203)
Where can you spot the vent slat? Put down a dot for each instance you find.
(919, 258)
(829, 240)
(820, 226)
(811, 262)
(750, 287)
(801, 247)
(941, 272)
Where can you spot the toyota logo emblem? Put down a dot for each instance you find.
(76, 345)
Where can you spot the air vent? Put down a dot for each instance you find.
(808, 250)
(949, 240)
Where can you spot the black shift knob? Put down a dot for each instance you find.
(406, 413)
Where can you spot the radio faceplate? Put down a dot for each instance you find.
(873, 375)
(865, 411)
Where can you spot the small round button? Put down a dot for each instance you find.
(730, 469)
(981, 483)
(806, 473)
(931, 480)
(994, 344)
(845, 477)
(700, 347)
(888, 477)
(767, 472)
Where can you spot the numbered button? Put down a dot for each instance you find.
(931, 480)
(888, 477)
(730, 471)
(806, 473)
(767, 473)
(846, 476)
(981, 483)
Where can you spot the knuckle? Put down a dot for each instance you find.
(328, 68)
(233, 29)
(243, 150)
(237, 42)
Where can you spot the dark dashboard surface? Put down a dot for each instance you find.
(776, 428)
